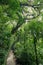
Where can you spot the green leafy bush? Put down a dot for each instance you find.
(26, 47)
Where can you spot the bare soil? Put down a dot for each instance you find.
(11, 59)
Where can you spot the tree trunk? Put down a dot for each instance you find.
(35, 40)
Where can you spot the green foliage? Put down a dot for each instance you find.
(4, 43)
(24, 49)
(11, 17)
(35, 28)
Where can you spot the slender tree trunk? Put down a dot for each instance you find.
(35, 40)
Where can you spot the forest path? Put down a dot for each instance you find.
(11, 59)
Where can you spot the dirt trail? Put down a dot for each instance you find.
(11, 59)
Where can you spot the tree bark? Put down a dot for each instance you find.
(35, 40)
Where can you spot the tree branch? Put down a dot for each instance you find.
(34, 6)
(24, 21)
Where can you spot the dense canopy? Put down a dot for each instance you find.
(21, 30)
